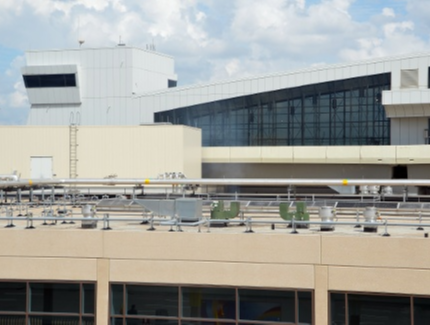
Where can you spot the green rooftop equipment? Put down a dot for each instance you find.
(300, 214)
(220, 212)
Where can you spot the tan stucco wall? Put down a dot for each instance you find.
(377, 155)
(125, 151)
(319, 262)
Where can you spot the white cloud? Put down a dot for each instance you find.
(388, 12)
(18, 99)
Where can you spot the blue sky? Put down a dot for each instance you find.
(210, 39)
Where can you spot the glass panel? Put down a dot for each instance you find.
(116, 321)
(54, 297)
(209, 303)
(88, 298)
(88, 321)
(50, 320)
(378, 310)
(152, 300)
(117, 299)
(421, 311)
(319, 114)
(337, 304)
(50, 80)
(143, 321)
(12, 296)
(305, 307)
(218, 322)
(12, 320)
(268, 306)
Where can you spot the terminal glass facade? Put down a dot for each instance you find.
(342, 112)
(47, 303)
(150, 304)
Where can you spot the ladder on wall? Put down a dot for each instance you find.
(73, 151)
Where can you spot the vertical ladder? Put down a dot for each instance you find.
(73, 151)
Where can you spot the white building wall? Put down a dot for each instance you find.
(408, 130)
(108, 79)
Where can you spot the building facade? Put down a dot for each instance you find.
(278, 125)
(132, 276)
(93, 86)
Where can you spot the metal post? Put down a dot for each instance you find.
(178, 223)
(293, 225)
(29, 221)
(386, 234)
(420, 218)
(106, 222)
(151, 223)
(208, 223)
(358, 219)
(9, 213)
(248, 225)
(19, 196)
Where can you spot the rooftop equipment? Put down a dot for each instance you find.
(89, 211)
(327, 215)
(220, 212)
(300, 214)
(371, 215)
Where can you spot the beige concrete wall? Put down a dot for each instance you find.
(20, 143)
(393, 265)
(125, 151)
(378, 155)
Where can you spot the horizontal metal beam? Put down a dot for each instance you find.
(23, 183)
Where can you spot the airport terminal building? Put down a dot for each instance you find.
(358, 120)
(119, 112)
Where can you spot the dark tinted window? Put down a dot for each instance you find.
(305, 307)
(171, 83)
(50, 80)
(209, 303)
(152, 300)
(54, 297)
(88, 298)
(12, 296)
(267, 306)
(343, 112)
(421, 311)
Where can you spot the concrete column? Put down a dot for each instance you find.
(321, 295)
(102, 296)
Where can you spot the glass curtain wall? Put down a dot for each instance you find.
(43, 303)
(146, 304)
(343, 112)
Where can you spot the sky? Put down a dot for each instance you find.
(210, 39)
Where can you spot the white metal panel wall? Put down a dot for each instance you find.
(406, 131)
(108, 77)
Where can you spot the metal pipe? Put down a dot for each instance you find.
(215, 181)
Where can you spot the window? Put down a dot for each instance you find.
(171, 83)
(47, 303)
(152, 304)
(50, 80)
(342, 112)
(352, 309)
